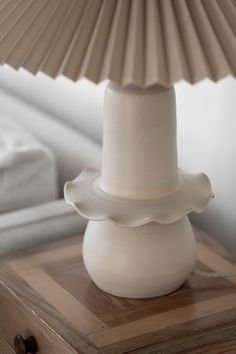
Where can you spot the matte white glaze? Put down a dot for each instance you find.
(145, 261)
(141, 244)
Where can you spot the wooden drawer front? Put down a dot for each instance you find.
(16, 318)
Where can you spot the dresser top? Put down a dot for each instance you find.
(52, 284)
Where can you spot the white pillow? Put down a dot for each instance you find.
(28, 173)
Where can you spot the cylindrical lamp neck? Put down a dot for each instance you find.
(139, 143)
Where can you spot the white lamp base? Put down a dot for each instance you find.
(140, 262)
(140, 243)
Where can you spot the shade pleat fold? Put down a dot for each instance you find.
(18, 54)
(140, 42)
(154, 63)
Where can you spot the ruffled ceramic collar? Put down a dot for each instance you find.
(86, 196)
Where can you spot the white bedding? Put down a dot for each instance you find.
(42, 223)
(73, 152)
(28, 171)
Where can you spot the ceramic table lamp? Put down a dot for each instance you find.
(139, 242)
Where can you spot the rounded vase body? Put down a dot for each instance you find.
(140, 262)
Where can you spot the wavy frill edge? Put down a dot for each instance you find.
(90, 201)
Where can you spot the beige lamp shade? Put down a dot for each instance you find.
(142, 42)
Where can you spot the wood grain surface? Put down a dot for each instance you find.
(5, 347)
(52, 283)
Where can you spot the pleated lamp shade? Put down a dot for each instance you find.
(141, 42)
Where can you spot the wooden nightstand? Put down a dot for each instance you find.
(45, 292)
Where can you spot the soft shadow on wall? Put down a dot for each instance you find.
(206, 142)
(206, 131)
